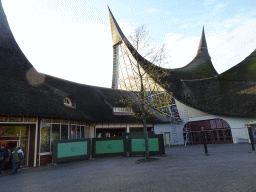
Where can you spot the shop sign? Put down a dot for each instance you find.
(15, 119)
(3, 119)
(1, 131)
(46, 120)
(64, 121)
(29, 119)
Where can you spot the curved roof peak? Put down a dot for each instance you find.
(202, 44)
(199, 68)
(116, 32)
(13, 62)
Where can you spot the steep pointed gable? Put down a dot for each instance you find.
(116, 32)
(12, 60)
(199, 68)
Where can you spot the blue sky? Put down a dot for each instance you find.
(71, 39)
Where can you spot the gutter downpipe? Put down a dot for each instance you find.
(36, 139)
(95, 130)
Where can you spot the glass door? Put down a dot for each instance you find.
(24, 147)
(16, 135)
(23, 144)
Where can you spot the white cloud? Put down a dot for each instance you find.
(218, 8)
(153, 10)
(208, 2)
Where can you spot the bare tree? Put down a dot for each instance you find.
(151, 96)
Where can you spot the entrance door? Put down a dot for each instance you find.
(167, 139)
(24, 147)
(16, 136)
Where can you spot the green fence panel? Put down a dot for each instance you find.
(72, 149)
(111, 146)
(136, 143)
(139, 144)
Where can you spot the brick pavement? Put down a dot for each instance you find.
(228, 167)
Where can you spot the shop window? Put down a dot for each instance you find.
(55, 132)
(15, 130)
(45, 138)
(87, 132)
(78, 132)
(73, 131)
(82, 132)
(11, 131)
(23, 130)
(64, 131)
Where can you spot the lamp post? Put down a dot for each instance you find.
(204, 141)
(251, 137)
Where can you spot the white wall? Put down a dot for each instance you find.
(175, 130)
(191, 111)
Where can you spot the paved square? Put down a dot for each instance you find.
(228, 167)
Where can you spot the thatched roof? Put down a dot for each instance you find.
(24, 91)
(232, 93)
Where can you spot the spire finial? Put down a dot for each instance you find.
(117, 34)
(202, 44)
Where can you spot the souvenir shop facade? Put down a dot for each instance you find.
(35, 136)
(118, 129)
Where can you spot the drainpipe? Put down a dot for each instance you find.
(36, 139)
(94, 130)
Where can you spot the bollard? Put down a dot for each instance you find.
(204, 141)
(251, 138)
